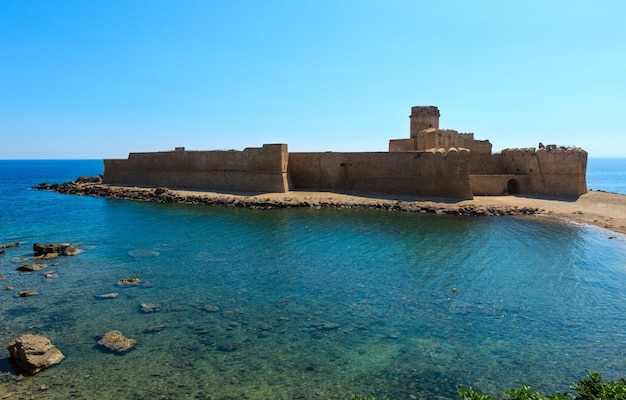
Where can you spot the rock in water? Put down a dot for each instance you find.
(32, 353)
(106, 296)
(48, 250)
(31, 267)
(115, 341)
(150, 307)
(128, 282)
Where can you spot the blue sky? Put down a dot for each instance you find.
(100, 79)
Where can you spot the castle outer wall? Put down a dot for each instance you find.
(433, 174)
(251, 170)
(433, 162)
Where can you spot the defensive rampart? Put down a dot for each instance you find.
(433, 162)
(555, 171)
(251, 170)
(436, 173)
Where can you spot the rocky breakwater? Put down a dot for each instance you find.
(94, 187)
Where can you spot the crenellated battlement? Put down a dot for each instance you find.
(429, 110)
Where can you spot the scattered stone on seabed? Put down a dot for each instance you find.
(50, 276)
(43, 250)
(117, 342)
(128, 282)
(210, 308)
(8, 288)
(154, 328)
(27, 293)
(150, 307)
(32, 353)
(31, 267)
(227, 346)
(1, 277)
(106, 296)
(326, 326)
(10, 245)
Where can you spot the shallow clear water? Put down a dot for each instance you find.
(313, 304)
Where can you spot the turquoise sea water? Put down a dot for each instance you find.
(608, 174)
(304, 304)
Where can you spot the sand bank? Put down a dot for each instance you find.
(602, 209)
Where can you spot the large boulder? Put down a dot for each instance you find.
(51, 250)
(32, 353)
(117, 342)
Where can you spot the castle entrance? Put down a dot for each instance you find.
(511, 186)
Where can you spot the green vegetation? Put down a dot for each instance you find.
(591, 388)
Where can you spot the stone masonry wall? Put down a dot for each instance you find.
(251, 170)
(434, 174)
(560, 172)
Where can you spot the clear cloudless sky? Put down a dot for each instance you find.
(100, 79)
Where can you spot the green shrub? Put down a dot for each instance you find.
(592, 388)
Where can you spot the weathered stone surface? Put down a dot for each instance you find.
(117, 342)
(106, 296)
(31, 267)
(48, 250)
(32, 353)
(27, 293)
(128, 282)
(150, 307)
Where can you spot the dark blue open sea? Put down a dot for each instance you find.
(304, 303)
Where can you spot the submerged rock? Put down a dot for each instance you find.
(31, 267)
(150, 307)
(325, 326)
(227, 346)
(32, 353)
(27, 293)
(128, 282)
(154, 328)
(10, 245)
(117, 342)
(50, 276)
(210, 308)
(106, 296)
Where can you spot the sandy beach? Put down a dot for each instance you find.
(602, 209)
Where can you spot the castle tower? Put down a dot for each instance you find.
(423, 117)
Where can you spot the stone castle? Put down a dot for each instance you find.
(432, 162)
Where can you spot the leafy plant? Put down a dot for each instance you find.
(592, 388)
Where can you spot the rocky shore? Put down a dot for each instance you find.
(93, 187)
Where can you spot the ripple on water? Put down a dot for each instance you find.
(318, 304)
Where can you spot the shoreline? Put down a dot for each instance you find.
(601, 209)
